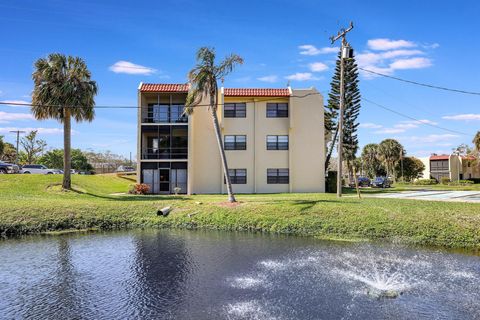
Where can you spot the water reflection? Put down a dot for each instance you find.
(160, 270)
(214, 275)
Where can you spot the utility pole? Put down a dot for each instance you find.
(18, 139)
(345, 53)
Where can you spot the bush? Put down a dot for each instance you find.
(445, 180)
(139, 188)
(425, 182)
(461, 183)
(474, 180)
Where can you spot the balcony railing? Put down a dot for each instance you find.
(165, 114)
(164, 153)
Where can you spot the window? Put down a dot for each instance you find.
(278, 176)
(277, 142)
(235, 110)
(235, 143)
(277, 110)
(237, 176)
(439, 165)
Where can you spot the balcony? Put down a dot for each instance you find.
(164, 153)
(164, 142)
(164, 113)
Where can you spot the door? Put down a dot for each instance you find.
(151, 178)
(164, 180)
(178, 178)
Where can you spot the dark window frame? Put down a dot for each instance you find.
(235, 145)
(235, 110)
(235, 178)
(277, 176)
(278, 145)
(277, 110)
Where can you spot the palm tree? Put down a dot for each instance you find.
(370, 159)
(476, 141)
(203, 80)
(390, 151)
(63, 89)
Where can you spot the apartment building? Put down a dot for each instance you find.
(273, 139)
(453, 167)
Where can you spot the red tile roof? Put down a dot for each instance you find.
(164, 87)
(440, 157)
(256, 92)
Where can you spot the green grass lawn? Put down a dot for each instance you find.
(34, 203)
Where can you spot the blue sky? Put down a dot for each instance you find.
(281, 41)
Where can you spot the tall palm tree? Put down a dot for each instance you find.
(203, 79)
(390, 151)
(63, 89)
(476, 141)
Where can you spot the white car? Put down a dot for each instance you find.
(37, 169)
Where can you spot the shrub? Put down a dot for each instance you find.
(461, 183)
(474, 180)
(139, 188)
(445, 180)
(425, 182)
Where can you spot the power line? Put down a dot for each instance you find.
(24, 104)
(415, 119)
(421, 84)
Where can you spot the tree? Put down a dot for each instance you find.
(63, 89)
(370, 160)
(390, 151)
(476, 141)
(352, 105)
(9, 153)
(203, 80)
(412, 168)
(54, 159)
(2, 146)
(33, 147)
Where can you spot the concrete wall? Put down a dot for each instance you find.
(426, 171)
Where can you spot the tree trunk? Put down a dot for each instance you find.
(329, 155)
(216, 126)
(67, 161)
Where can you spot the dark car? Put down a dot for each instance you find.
(8, 168)
(362, 182)
(381, 182)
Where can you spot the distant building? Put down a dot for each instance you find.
(274, 140)
(451, 166)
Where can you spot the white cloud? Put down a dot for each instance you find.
(6, 117)
(301, 76)
(271, 78)
(131, 68)
(432, 138)
(243, 79)
(40, 130)
(390, 131)
(311, 50)
(402, 126)
(14, 103)
(388, 44)
(463, 117)
(411, 63)
(369, 125)
(318, 67)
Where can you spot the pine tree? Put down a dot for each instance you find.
(351, 111)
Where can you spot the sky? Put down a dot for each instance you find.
(128, 42)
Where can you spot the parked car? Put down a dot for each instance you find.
(381, 182)
(362, 182)
(37, 169)
(8, 168)
(125, 169)
(57, 171)
(73, 171)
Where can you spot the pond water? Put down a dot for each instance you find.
(158, 274)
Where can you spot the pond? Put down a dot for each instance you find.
(159, 274)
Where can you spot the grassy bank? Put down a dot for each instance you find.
(34, 203)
